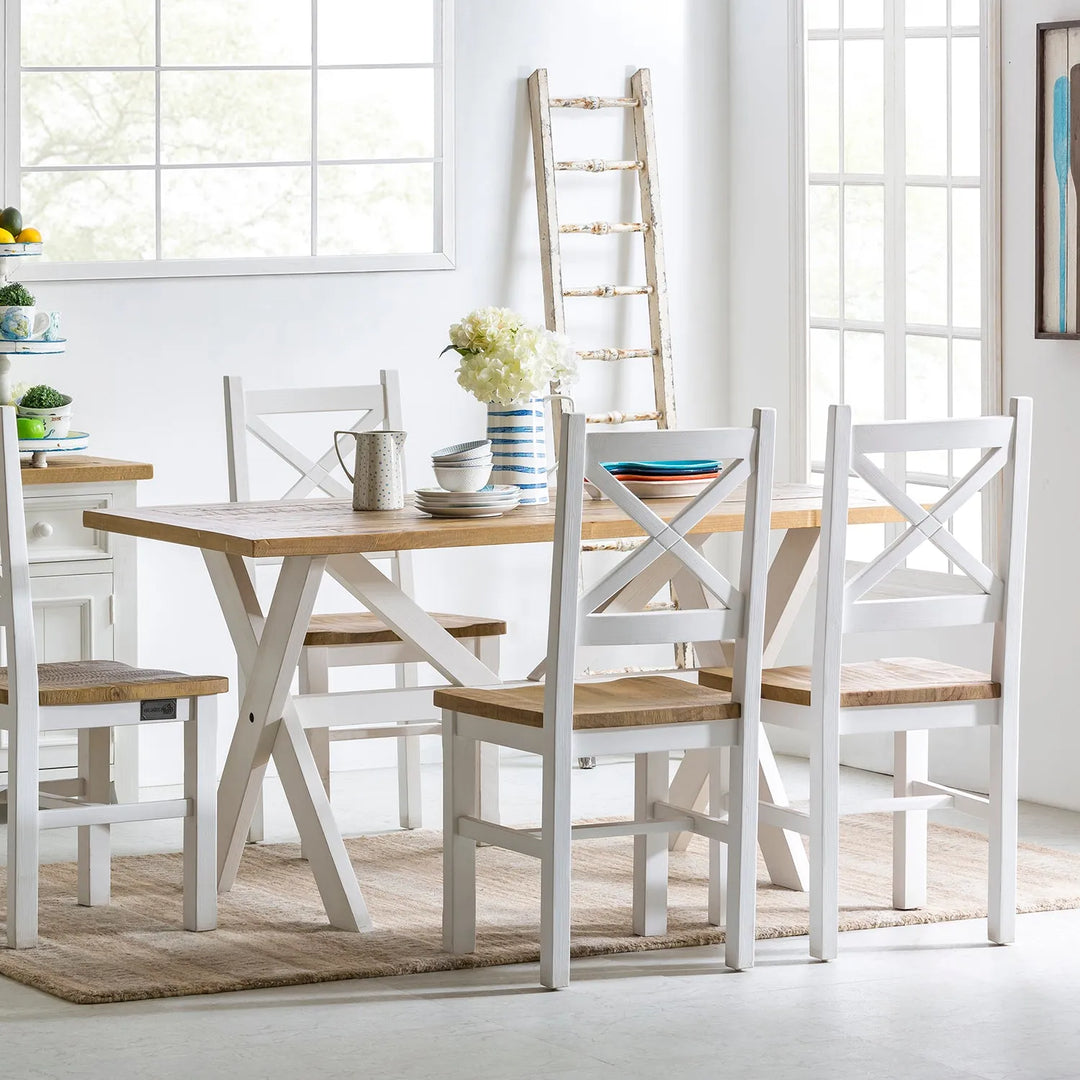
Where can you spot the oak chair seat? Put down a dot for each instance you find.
(366, 628)
(632, 702)
(97, 682)
(900, 680)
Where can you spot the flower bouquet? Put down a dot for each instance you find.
(508, 363)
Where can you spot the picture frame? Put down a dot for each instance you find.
(1057, 180)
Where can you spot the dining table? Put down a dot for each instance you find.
(315, 537)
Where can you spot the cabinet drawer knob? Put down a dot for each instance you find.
(42, 529)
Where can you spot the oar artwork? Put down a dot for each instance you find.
(1062, 135)
(1074, 160)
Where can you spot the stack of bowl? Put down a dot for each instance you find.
(463, 466)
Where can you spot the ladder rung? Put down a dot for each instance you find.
(602, 228)
(597, 165)
(630, 669)
(606, 291)
(620, 417)
(593, 102)
(615, 354)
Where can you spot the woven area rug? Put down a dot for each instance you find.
(272, 930)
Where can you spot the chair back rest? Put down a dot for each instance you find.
(16, 611)
(737, 609)
(378, 406)
(846, 604)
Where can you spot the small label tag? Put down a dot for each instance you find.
(162, 709)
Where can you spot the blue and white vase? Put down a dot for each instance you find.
(518, 450)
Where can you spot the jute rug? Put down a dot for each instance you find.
(272, 930)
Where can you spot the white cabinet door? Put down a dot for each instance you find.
(72, 621)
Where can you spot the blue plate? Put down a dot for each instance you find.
(662, 468)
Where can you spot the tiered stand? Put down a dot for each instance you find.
(37, 448)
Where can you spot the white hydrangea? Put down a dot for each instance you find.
(506, 360)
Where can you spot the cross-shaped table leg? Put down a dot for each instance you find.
(268, 649)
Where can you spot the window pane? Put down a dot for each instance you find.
(375, 32)
(222, 116)
(924, 12)
(926, 127)
(823, 253)
(225, 213)
(927, 256)
(965, 13)
(864, 376)
(928, 396)
(864, 103)
(87, 33)
(376, 114)
(967, 257)
(966, 108)
(863, 14)
(823, 106)
(824, 386)
(822, 14)
(88, 118)
(372, 208)
(967, 378)
(864, 252)
(92, 215)
(230, 32)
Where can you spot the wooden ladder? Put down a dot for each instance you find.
(662, 408)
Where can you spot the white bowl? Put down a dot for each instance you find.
(462, 451)
(462, 477)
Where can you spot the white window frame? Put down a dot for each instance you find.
(440, 258)
(992, 389)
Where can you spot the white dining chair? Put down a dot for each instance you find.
(647, 715)
(91, 697)
(355, 638)
(909, 695)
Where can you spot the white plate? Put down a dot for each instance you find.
(656, 489)
(464, 511)
(502, 504)
(497, 492)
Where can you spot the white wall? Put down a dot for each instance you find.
(146, 357)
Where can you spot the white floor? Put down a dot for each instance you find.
(932, 1002)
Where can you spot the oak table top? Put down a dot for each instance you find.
(85, 469)
(332, 527)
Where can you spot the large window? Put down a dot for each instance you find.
(203, 136)
(895, 122)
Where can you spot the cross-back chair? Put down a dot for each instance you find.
(909, 695)
(354, 638)
(92, 697)
(647, 715)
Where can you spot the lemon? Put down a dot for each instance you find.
(28, 236)
(6, 237)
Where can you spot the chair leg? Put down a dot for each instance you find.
(824, 848)
(94, 840)
(555, 874)
(314, 678)
(200, 825)
(1004, 792)
(717, 790)
(651, 782)
(257, 829)
(459, 852)
(410, 801)
(22, 841)
(910, 764)
(486, 650)
(740, 924)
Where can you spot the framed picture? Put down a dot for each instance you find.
(1057, 180)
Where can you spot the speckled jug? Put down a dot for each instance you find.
(377, 480)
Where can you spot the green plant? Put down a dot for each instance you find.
(43, 397)
(15, 295)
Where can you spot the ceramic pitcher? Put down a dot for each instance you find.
(377, 479)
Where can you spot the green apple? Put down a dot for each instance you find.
(30, 427)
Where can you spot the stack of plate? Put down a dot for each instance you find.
(664, 479)
(490, 501)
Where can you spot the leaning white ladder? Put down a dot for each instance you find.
(662, 408)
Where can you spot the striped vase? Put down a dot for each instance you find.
(518, 450)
